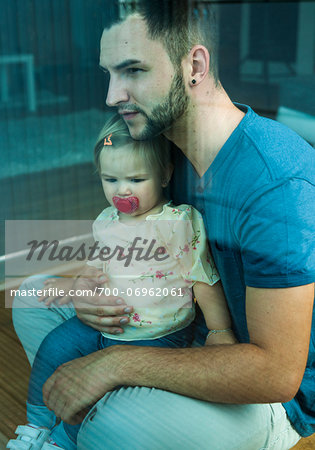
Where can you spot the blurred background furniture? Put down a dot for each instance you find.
(26, 60)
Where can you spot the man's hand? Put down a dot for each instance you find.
(103, 313)
(78, 384)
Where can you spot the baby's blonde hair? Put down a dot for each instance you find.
(154, 152)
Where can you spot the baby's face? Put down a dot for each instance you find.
(126, 176)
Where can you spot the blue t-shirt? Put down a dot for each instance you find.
(258, 203)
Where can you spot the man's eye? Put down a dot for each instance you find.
(133, 70)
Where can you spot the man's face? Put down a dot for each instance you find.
(144, 86)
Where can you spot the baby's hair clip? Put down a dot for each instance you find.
(107, 140)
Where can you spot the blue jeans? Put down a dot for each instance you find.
(70, 340)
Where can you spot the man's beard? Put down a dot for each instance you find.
(170, 109)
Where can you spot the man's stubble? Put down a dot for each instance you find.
(164, 114)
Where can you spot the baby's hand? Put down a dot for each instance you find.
(227, 337)
(54, 288)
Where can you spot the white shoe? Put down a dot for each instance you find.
(30, 437)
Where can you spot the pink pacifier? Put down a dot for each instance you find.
(126, 205)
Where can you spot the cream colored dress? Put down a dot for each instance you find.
(153, 265)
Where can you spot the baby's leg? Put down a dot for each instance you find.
(33, 320)
(68, 341)
(179, 339)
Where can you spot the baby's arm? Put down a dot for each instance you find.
(212, 302)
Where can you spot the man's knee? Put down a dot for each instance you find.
(26, 297)
(33, 282)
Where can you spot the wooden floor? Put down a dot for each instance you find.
(14, 376)
(14, 379)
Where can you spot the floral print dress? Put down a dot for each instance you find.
(153, 265)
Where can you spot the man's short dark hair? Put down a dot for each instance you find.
(179, 25)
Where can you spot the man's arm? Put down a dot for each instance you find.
(269, 369)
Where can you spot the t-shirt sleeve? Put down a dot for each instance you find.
(277, 235)
(187, 243)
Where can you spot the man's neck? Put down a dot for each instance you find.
(210, 120)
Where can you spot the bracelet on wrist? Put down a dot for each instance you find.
(211, 332)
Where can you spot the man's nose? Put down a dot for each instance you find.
(117, 93)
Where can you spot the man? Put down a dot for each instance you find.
(254, 182)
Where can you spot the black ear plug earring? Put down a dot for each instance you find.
(193, 81)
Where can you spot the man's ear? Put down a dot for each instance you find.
(199, 59)
(167, 175)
